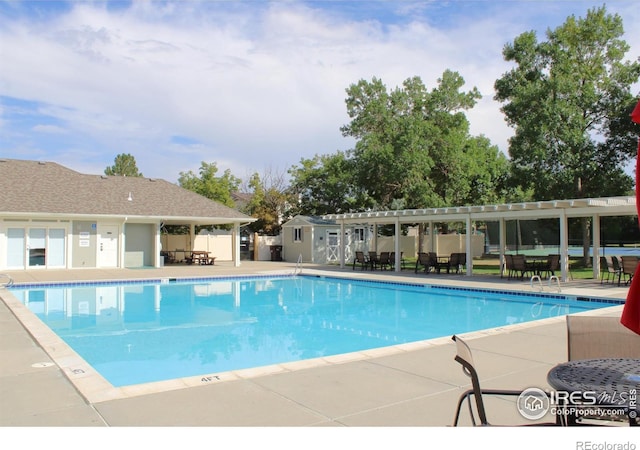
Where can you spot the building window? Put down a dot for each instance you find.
(297, 234)
(358, 234)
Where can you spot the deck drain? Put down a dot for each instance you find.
(42, 364)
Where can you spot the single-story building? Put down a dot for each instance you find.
(316, 240)
(54, 217)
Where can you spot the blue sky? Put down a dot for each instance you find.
(253, 86)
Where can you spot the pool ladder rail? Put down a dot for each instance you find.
(552, 278)
(5, 280)
(298, 268)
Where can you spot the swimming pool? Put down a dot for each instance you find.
(140, 332)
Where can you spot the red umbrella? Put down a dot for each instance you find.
(631, 312)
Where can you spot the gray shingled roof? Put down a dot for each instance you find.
(311, 220)
(47, 188)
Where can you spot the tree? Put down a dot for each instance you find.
(413, 146)
(566, 99)
(268, 202)
(486, 179)
(325, 184)
(569, 101)
(124, 165)
(209, 185)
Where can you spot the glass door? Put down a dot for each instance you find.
(37, 247)
(56, 247)
(15, 248)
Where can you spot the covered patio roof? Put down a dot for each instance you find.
(584, 207)
(560, 209)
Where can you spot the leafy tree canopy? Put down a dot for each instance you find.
(124, 165)
(325, 184)
(569, 100)
(207, 184)
(267, 202)
(413, 145)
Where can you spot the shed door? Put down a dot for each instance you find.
(333, 245)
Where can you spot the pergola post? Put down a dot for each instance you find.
(343, 245)
(396, 247)
(236, 244)
(596, 246)
(503, 243)
(564, 245)
(469, 249)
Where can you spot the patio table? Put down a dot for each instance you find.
(610, 384)
(199, 257)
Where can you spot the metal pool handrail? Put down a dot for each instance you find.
(8, 282)
(298, 267)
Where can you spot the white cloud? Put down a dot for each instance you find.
(252, 87)
(50, 129)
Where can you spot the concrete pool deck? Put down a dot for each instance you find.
(413, 385)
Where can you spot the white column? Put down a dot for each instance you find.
(192, 236)
(397, 246)
(375, 238)
(564, 246)
(596, 246)
(432, 238)
(503, 243)
(469, 249)
(343, 243)
(158, 258)
(235, 241)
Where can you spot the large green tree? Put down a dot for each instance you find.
(210, 185)
(124, 165)
(568, 99)
(326, 184)
(413, 147)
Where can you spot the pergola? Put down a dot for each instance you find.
(560, 209)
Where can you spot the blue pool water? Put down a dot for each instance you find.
(141, 332)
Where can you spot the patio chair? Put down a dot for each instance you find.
(591, 337)
(373, 260)
(607, 268)
(594, 337)
(462, 262)
(384, 261)
(508, 266)
(392, 260)
(464, 357)
(360, 259)
(617, 266)
(549, 268)
(521, 266)
(628, 268)
(427, 260)
(453, 263)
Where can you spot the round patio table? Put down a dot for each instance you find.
(609, 382)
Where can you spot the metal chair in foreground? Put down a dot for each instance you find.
(465, 358)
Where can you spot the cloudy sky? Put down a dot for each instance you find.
(253, 86)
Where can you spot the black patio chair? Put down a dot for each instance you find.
(361, 259)
(373, 260)
(549, 268)
(384, 261)
(607, 268)
(464, 357)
